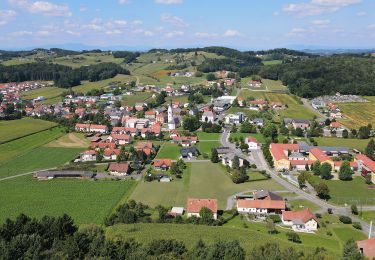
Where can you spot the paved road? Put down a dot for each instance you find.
(307, 104)
(258, 158)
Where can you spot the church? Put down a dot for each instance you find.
(173, 121)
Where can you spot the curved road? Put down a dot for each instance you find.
(257, 158)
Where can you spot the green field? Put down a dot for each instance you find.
(357, 114)
(169, 150)
(359, 144)
(202, 136)
(368, 215)
(76, 61)
(37, 159)
(247, 93)
(249, 113)
(200, 180)
(272, 62)
(274, 85)
(137, 97)
(344, 234)
(301, 204)
(51, 94)
(11, 150)
(13, 129)
(85, 201)
(258, 136)
(205, 147)
(350, 192)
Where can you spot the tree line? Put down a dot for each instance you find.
(63, 76)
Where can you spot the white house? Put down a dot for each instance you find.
(300, 221)
(228, 160)
(252, 142)
(264, 207)
(194, 206)
(208, 116)
(88, 156)
(236, 118)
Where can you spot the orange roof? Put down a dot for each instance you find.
(278, 153)
(301, 162)
(118, 167)
(109, 152)
(368, 247)
(251, 139)
(98, 126)
(303, 215)
(335, 125)
(120, 137)
(366, 161)
(352, 164)
(150, 113)
(142, 145)
(319, 155)
(103, 145)
(195, 205)
(161, 162)
(261, 204)
(82, 125)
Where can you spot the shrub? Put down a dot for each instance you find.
(294, 237)
(357, 225)
(345, 219)
(329, 233)
(329, 210)
(318, 215)
(354, 209)
(275, 218)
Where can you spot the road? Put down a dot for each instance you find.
(258, 158)
(307, 104)
(24, 174)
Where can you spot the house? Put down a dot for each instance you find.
(150, 115)
(335, 113)
(162, 164)
(176, 211)
(366, 166)
(228, 159)
(279, 153)
(236, 118)
(88, 156)
(300, 221)
(297, 123)
(258, 122)
(98, 129)
(194, 206)
(266, 195)
(102, 145)
(185, 140)
(222, 151)
(252, 142)
(118, 169)
(146, 147)
(189, 152)
(208, 116)
(260, 206)
(120, 139)
(367, 247)
(111, 154)
(318, 154)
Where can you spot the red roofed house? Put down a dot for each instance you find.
(366, 166)
(119, 139)
(99, 129)
(118, 169)
(102, 145)
(367, 247)
(88, 156)
(279, 154)
(185, 140)
(335, 125)
(111, 154)
(252, 142)
(150, 114)
(260, 206)
(302, 220)
(82, 127)
(194, 206)
(317, 154)
(162, 164)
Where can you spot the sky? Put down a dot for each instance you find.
(143, 24)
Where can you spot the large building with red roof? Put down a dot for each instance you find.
(194, 206)
(366, 166)
(367, 247)
(302, 220)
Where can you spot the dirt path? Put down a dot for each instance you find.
(69, 141)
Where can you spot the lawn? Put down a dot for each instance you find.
(50, 94)
(71, 140)
(368, 215)
(202, 136)
(274, 85)
(200, 180)
(37, 159)
(130, 100)
(190, 234)
(246, 93)
(249, 113)
(359, 144)
(258, 136)
(301, 204)
(271, 62)
(357, 114)
(13, 129)
(169, 150)
(346, 233)
(86, 201)
(205, 147)
(350, 192)
(23, 145)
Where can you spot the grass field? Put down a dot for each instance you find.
(87, 59)
(169, 150)
(359, 144)
(258, 136)
(202, 136)
(13, 129)
(205, 147)
(85, 201)
(51, 94)
(301, 204)
(71, 140)
(23, 145)
(190, 234)
(357, 114)
(249, 113)
(344, 234)
(368, 215)
(275, 85)
(350, 192)
(138, 97)
(38, 158)
(272, 62)
(200, 180)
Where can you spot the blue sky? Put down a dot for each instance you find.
(244, 24)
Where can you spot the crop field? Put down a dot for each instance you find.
(359, 144)
(71, 140)
(37, 159)
(130, 100)
(169, 150)
(357, 114)
(200, 180)
(350, 192)
(86, 201)
(14, 129)
(51, 94)
(275, 85)
(23, 145)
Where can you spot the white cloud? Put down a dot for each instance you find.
(361, 14)
(169, 2)
(83, 8)
(43, 7)
(137, 22)
(120, 22)
(123, 2)
(21, 33)
(205, 35)
(231, 33)
(371, 26)
(317, 7)
(172, 19)
(296, 31)
(114, 32)
(174, 34)
(321, 23)
(6, 16)
(144, 32)
(73, 33)
(43, 33)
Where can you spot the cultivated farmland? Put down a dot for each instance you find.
(357, 114)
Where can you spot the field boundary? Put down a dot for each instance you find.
(20, 137)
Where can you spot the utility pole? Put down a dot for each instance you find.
(370, 231)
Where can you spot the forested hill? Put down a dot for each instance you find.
(347, 74)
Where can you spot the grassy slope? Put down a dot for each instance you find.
(201, 180)
(137, 97)
(169, 150)
(85, 201)
(357, 114)
(18, 128)
(359, 144)
(23, 145)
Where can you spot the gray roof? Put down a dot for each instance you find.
(222, 150)
(265, 193)
(64, 174)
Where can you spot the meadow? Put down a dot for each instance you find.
(274, 85)
(71, 140)
(86, 201)
(260, 138)
(11, 150)
(37, 159)
(169, 150)
(130, 100)
(86, 59)
(14, 129)
(301, 204)
(357, 114)
(368, 215)
(359, 144)
(271, 62)
(200, 180)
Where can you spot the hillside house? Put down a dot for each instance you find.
(118, 169)
(88, 156)
(261, 207)
(300, 221)
(194, 207)
(253, 143)
(162, 164)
